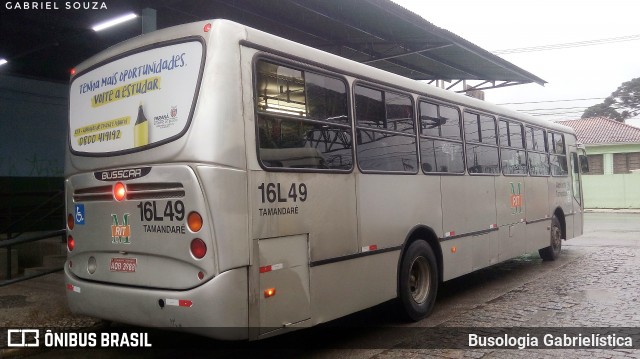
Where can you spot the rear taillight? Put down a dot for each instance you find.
(198, 248)
(119, 191)
(71, 244)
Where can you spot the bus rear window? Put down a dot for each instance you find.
(136, 101)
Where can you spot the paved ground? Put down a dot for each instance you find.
(595, 283)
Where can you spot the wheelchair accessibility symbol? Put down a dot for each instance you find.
(79, 213)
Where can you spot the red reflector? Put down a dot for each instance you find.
(119, 191)
(71, 244)
(70, 286)
(207, 28)
(198, 248)
(70, 222)
(185, 303)
(265, 269)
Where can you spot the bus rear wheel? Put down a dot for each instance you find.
(555, 245)
(418, 285)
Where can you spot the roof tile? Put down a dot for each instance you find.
(601, 131)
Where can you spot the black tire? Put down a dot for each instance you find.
(553, 251)
(418, 278)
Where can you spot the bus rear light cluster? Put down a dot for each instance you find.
(70, 222)
(119, 191)
(194, 222)
(71, 244)
(198, 248)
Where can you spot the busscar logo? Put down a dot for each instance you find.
(21, 338)
(122, 174)
(120, 233)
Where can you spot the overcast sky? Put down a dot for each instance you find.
(571, 72)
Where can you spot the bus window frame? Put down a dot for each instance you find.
(300, 66)
(437, 102)
(545, 152)
(377, 87)
(551, 149)
(479, 113)
(507, 147)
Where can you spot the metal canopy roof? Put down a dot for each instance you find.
(47, 43)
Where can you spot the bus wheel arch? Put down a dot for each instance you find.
(419, 273)
(559, 213)
(557, 232)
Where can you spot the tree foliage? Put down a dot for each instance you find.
(622, 104)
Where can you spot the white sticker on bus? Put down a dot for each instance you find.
(136, 100)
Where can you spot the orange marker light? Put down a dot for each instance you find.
(270, 292)
(454, 249)
(194, 221)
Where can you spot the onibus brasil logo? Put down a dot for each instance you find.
(120, 233)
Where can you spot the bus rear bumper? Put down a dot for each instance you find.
(217, 309)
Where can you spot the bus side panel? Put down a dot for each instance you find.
(341, 288)
(510, 204)
(226, 194)
(537, 212)
(283, 288)
(390, 206)
(219, 307)
(468, 209)
(284, 204)
(560, 197)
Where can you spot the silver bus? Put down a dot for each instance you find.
(235, 184)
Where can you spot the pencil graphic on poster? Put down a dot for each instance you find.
(141, 129)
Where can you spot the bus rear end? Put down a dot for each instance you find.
(147, 170)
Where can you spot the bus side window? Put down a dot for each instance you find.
(557, 157)
(482, 143)
(385, 131)
(537, 152)
(440, 140)
(303, 120)
(513, 156)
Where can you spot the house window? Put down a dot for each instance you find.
(626, 162)
(595, 165)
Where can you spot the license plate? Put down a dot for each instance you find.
(123, 265)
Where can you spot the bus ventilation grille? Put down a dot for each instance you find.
(135, 191)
